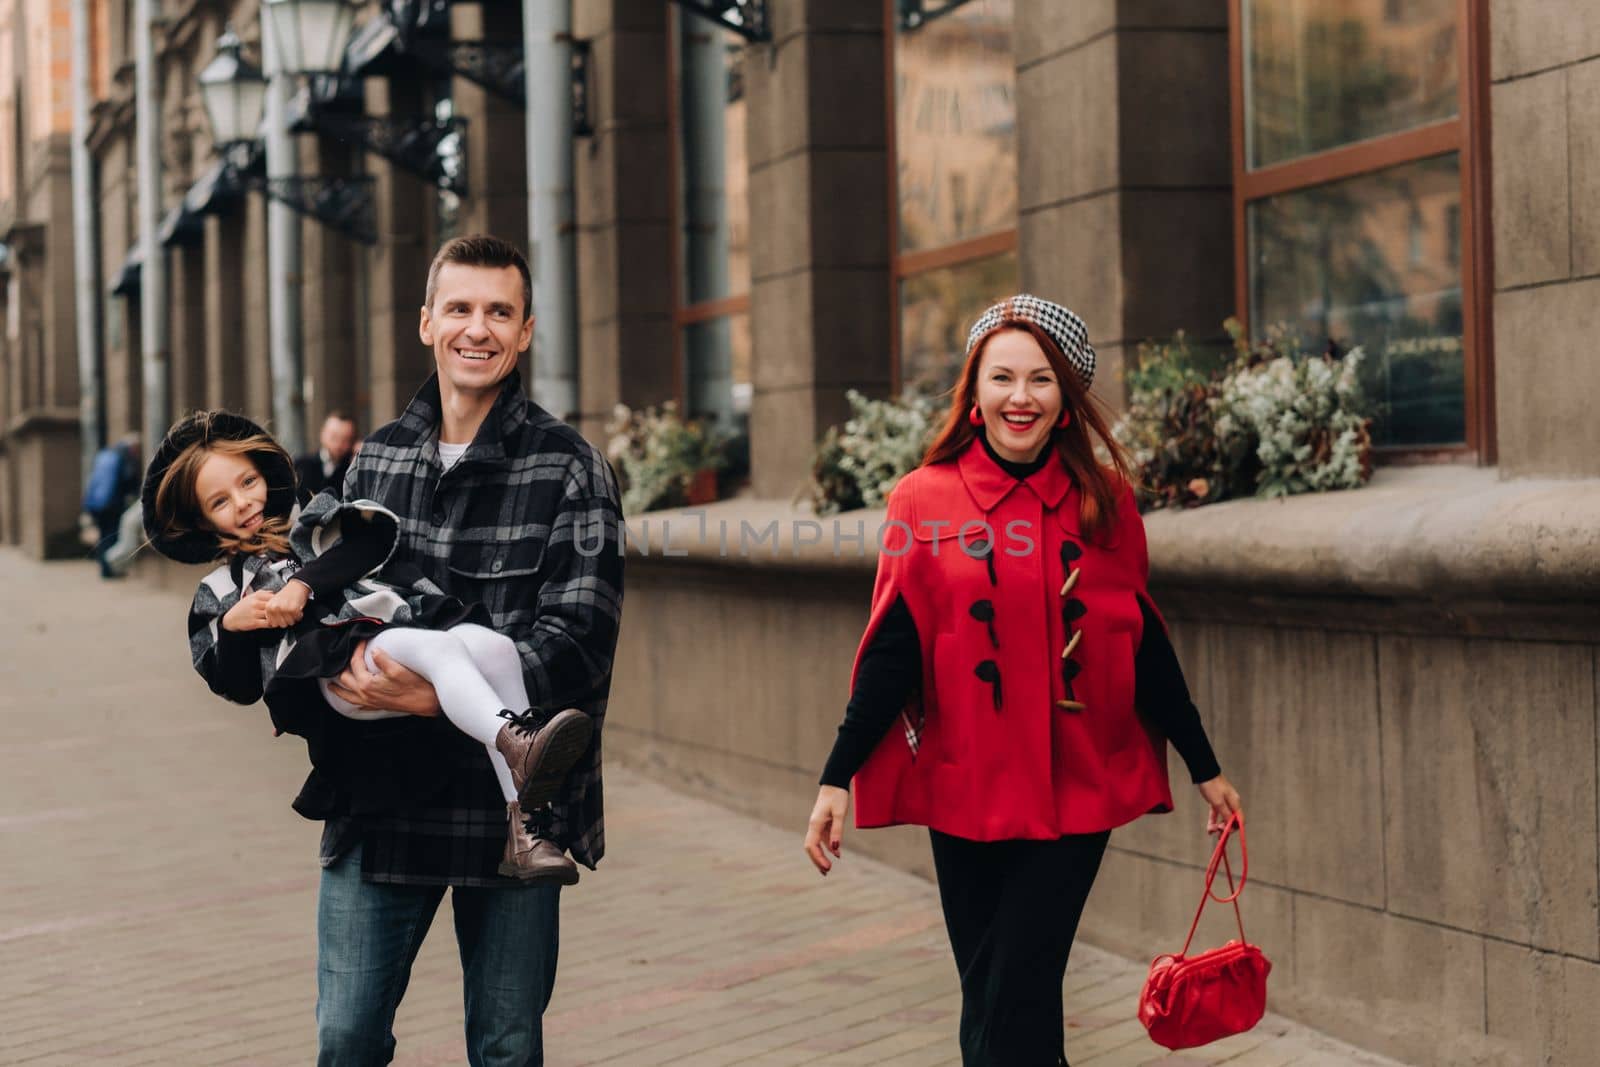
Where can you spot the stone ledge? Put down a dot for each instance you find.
(1430, 532)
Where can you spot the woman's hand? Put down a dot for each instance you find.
(389, 688)
(250, 613)
(288, 604)
(826, 829)
(1224, 801)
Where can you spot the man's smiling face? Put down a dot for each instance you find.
(476, 325)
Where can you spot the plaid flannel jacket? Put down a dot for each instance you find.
(528, 524)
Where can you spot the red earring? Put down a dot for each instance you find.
(975, 418)
(1066, 417)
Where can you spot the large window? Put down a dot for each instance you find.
(953, 116)
(1357, 159)
(712, 208)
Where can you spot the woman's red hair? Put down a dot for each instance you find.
(1100, 484)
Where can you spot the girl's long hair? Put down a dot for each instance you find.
(1100, 484)
(177, 504)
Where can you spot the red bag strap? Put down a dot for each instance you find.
(1219, 857)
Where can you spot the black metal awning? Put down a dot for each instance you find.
(181, 227)
(372, 49)
(215, 192)
(747, 18)
(126, 283)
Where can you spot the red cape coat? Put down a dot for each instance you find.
(1029, 768)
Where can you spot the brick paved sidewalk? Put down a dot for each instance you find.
(157, 896)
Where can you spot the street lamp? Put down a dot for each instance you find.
(310, 34)
(233, 92)
(298, 37)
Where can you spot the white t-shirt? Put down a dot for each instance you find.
(450, 455)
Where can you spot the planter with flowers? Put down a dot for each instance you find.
(857, 464)
(664, 460)
(1270, 420)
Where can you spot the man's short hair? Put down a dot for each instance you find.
(339, 415)
(481, 250)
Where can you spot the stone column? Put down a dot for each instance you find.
(330, 261)
(119, 334)
(625, 249)
(186, 288)
(1544, 89)
(819, 211)
(1124, 173)
(497, 161)
(224, 311)
(399, 264)
(252, 282)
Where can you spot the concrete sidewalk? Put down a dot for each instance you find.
(157, 896)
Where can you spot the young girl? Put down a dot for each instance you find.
(284, 611)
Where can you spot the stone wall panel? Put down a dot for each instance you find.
(1489, 785)
(1532, 220)
(1295, 714)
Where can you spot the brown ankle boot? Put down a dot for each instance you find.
(540, 759)
(533, 859)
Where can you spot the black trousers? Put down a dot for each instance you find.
(1012, 909)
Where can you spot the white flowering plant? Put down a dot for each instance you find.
(657, 455)
(857, 464)
(1271, 421)
(1306, 418)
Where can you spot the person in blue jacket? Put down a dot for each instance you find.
(113, 481)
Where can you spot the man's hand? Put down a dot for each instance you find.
(390, 688)
(288, 604)
(250, 613)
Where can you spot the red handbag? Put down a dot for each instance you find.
(1194, 1000)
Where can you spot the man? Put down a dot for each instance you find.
(502, 504)
(327, 466)
(113, 481)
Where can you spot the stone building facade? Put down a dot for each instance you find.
(1402, 680)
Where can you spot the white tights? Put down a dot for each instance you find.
(475, 671)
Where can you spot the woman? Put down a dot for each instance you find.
(1012, 636)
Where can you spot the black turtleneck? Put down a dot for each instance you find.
(1019, 471)
(891, 670)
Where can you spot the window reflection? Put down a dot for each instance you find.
(714, 207)
(1326, 73)
(936, 310)
(955, 126)
(1374, 261)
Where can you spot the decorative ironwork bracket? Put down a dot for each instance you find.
(343, 204)
(913, 14)
(408, 142)
(747, 18)
(347, 205)
(495, 65)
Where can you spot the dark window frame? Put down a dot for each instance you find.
(903, 266)
(1467, 134)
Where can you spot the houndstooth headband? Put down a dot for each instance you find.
(1065, 328)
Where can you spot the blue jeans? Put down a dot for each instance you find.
(368, 934)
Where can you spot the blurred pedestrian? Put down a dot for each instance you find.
(325, 468)
(1013, 637)
(113, 482)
